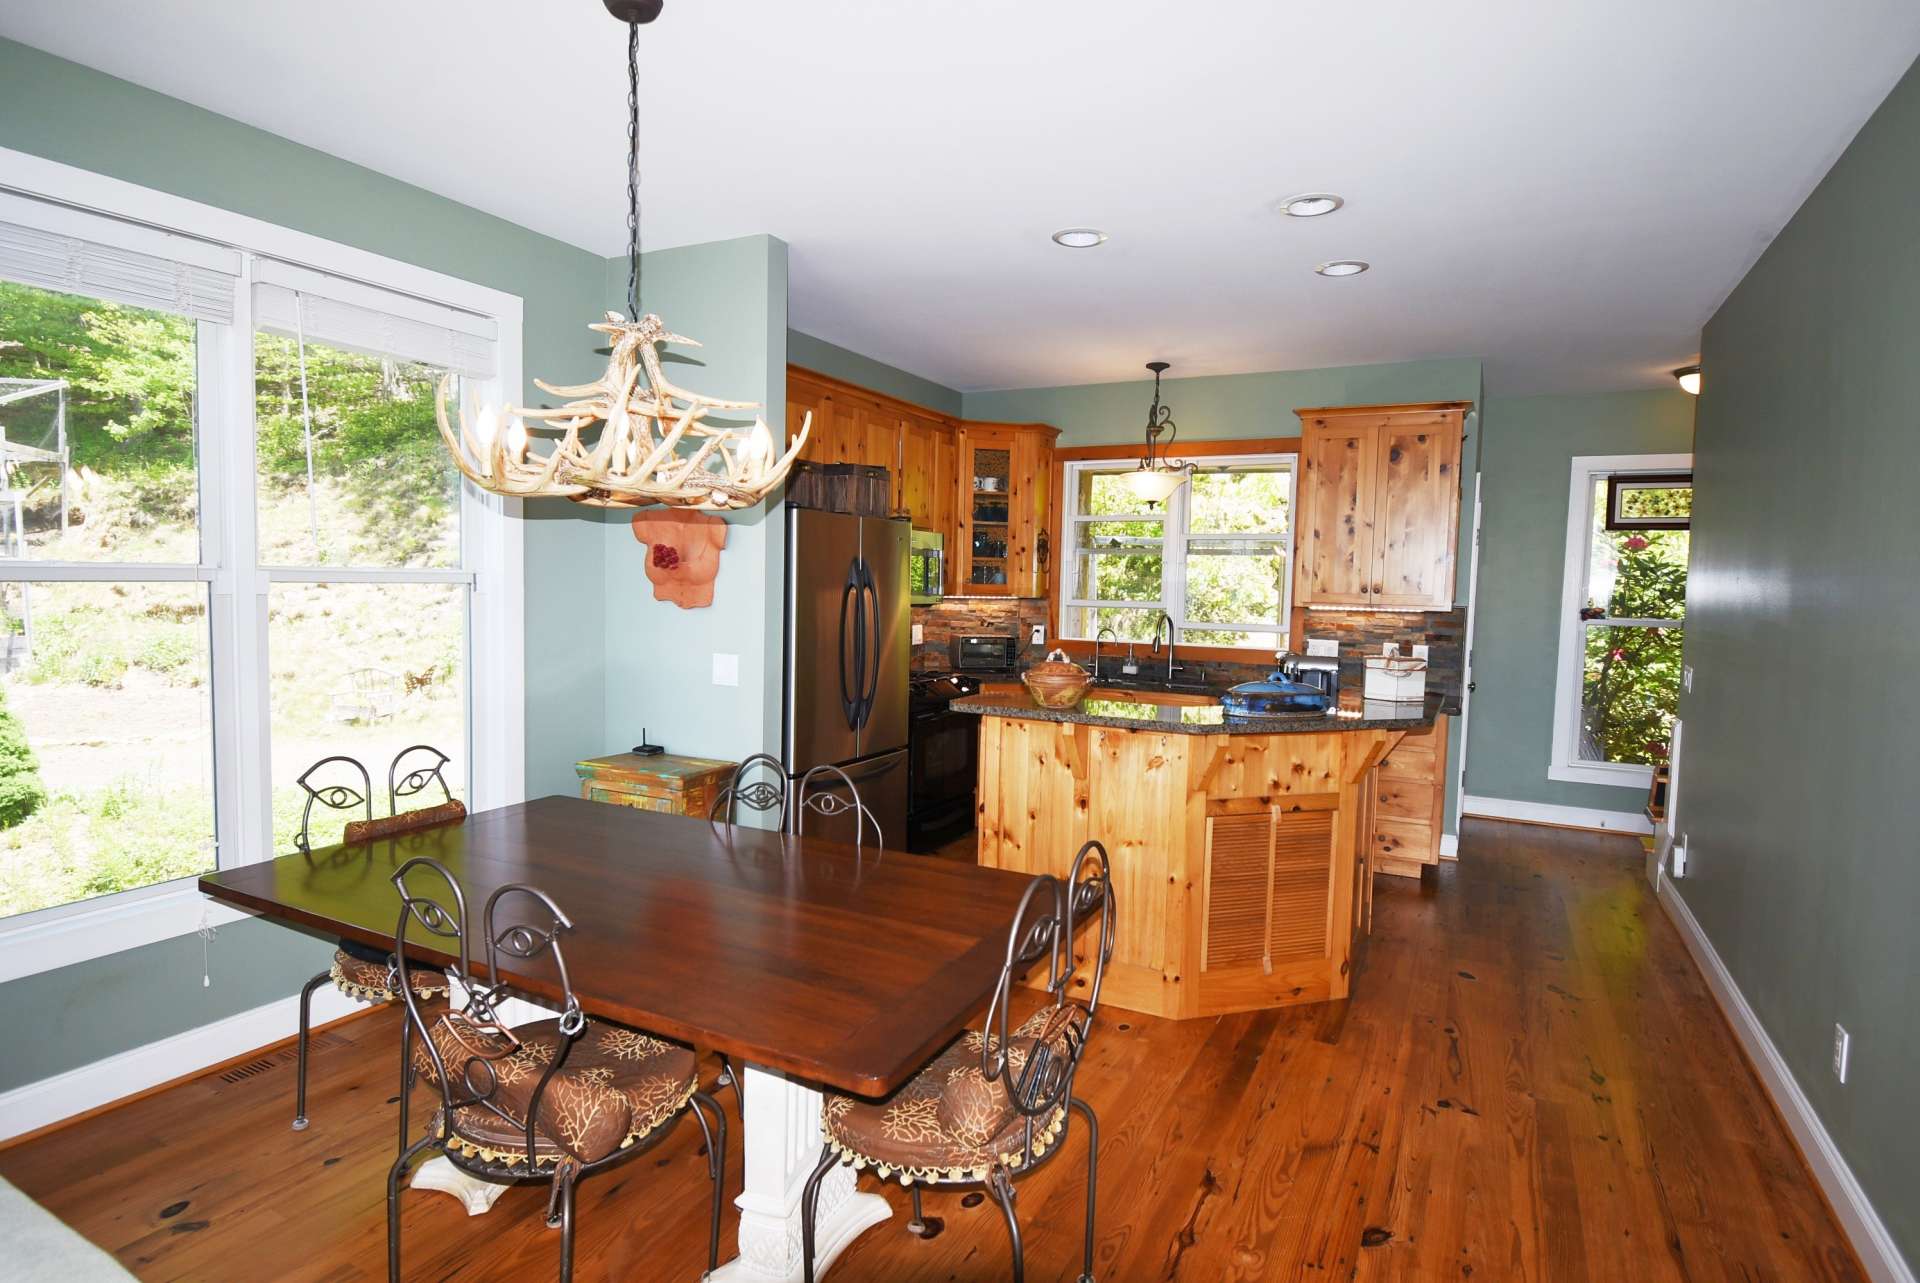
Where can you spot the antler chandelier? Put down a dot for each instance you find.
(654, 445)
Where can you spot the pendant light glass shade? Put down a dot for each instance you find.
(1154, 485)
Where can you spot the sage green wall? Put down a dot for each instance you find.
(732, 297)
(1233, 406)
(823, 357)
(1528, 446)
(1796, 787)
(65, 112)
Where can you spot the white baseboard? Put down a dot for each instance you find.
(1449, 846)
(1572, 817)
(104, 1081)
(1858, 1219)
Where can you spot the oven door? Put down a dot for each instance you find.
(943, 749)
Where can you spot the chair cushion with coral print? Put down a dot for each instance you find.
(948, 1123)
(616, 1086)
(367, 980)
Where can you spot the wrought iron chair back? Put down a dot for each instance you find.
(472, 1022)
(417, 777)
(761, 795)
(821, 799)
(332, 797)
(1045, 927)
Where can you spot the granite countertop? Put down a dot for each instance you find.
(1139, 711)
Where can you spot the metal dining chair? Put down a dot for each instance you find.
(357, 970)
(758, 795)
(554, 1100)
(995, 1105)
(824, 800)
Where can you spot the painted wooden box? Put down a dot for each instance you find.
(664, 782)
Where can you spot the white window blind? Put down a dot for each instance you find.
(56, 248)
(292, 302)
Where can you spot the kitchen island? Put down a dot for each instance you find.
(1240, 863)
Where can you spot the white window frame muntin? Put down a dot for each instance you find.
(1173, 569)
(492, 550)
(1564, 762)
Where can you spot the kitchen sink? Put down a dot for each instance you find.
(1144, 683)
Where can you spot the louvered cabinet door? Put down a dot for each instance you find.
(1269, 885)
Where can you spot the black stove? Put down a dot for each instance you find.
(943, 753)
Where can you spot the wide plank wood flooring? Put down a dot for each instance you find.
(1531, 1083)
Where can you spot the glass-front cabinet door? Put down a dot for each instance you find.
(989, 536)
(1001, 543)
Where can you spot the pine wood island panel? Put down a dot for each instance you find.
(1241, 863)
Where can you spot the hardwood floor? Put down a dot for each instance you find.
(1531, 1083)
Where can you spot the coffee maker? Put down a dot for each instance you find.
(1319, 671)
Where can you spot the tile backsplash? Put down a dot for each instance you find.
(1359, 632)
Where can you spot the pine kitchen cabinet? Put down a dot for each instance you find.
(1379, 506)
(1001, 546)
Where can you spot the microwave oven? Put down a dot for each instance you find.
(926, 567)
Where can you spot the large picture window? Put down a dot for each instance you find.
(230, 544)
(1215, 557)
(1628, 542)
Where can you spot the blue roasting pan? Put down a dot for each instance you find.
(1273, 697)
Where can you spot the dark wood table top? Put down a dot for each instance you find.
(793, 953)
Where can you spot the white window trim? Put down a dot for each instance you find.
(492, 552)
(1173, 568)
(1564, 762)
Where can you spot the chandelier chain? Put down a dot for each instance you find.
(633, 171)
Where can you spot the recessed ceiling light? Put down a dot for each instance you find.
(1343, 267)
(1311, 204)
(1079, 237)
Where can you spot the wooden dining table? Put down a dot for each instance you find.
(810, 963)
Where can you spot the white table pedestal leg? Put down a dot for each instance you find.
(437, 1173)
(782, 1147)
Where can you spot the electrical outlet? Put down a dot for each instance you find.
(1389, 648)
(726, 669)
(1037, 635)
(1842, 1048)
(919, 634)
(1686, 679)
(1679, 869)
(1419, 652)
(1327, 646)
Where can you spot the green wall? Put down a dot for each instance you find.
(1528, 445)
(65, 112)
(1796, 788)
(823, 357)
(732, 297)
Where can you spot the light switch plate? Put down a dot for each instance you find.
(1419, 652)
(1842, 1051)
(1686, 679)
(1328, 646)
(1389, 648)
(1037, 635)
(919, 634)
(726, 669)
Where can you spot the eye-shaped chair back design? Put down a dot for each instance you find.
(1044, 929)
(473, 1023)
(818, 796)
(428, 768)
(332, 797)
(762, 795)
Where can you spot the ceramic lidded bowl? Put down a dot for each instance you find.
(1056, 681)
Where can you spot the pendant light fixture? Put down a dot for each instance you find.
(653, 445)
(1158, 476)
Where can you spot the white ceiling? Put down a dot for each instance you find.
(1565, 187)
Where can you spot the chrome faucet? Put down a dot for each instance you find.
(1104, 632)
(1164, 624)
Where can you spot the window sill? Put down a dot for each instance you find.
(62, 936)
(1618, 775)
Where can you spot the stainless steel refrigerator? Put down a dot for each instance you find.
(848, 650)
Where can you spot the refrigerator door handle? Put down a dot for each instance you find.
(849, 701)
(872, 611)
